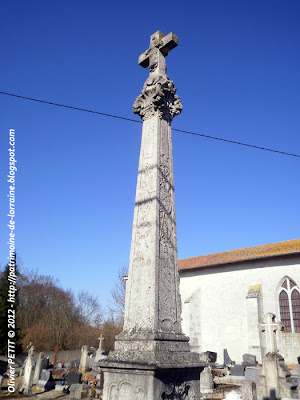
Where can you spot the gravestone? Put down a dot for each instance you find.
(212, 356)
(206, 381)
(1, 381)
(75, 363)
(237, 370)
(38, 368)
(298, 358)
(249, 359)
(252, 374)
(44, 377)
(100, 351)
(78, 391)
(26, 386)
(86, 353)
(74, 377)
(152, 357)
(275, 378)
(227, 359)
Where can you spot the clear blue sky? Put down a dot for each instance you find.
(236, 70)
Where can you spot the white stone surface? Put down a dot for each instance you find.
(222, 316)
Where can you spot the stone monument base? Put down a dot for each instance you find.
(275, 378)
(149, 375)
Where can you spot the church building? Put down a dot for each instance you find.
(226, 295)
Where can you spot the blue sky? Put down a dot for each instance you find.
(236, 70)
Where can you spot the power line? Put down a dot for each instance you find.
(134, 120)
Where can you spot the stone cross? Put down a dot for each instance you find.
(101, 340)
(269, 328)
(154, 57)
(152, 292)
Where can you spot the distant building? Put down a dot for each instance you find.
(225, 296)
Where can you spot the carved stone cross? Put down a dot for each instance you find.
(154, 57)
(101, 339)
(270, 327)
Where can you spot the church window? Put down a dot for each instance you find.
(289, 305)
(296, 309)
(285, 311)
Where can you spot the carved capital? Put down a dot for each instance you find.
(158, 97)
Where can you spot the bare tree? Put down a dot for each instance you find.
(89, 309)
(118, 292)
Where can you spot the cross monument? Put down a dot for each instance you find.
(270, 327)
(152, 355)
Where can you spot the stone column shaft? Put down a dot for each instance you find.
(153, 300)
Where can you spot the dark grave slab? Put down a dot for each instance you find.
(50, 385)
(212, 356)
(74, 377)
(298, 358)
(237, 370)
(3, 367)
(249, 359)
(227, 359)
(252, 374)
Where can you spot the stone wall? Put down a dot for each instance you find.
(223, 318)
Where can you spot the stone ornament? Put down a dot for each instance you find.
(158, 97)
(183, 391)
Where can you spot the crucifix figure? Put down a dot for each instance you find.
(269, 328)
(154, 57)
(101, 340)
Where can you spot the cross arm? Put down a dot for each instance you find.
(165, 44)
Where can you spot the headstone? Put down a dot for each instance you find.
(152, 345)
(1, 381)
(206, 381)
(38, 368)
(269, 328)
(298, 358)
(58, 365)
(26, 386)
(100, 351)
(275, 377)
(44, 377)
(249, 359)
(75, 363)
(237, 370)
(212, 356)
(74, 377)
(227, 359)
(252, 374)
(84, 360)
(78, 391)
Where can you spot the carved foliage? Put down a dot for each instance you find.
(183, 391)
(158, 96)
(125, 391)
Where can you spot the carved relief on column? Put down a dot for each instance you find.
(169, 298)
(158, 96)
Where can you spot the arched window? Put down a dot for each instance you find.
(289, 305)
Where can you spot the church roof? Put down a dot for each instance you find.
(250, 253)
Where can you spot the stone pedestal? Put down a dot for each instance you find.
(152, 358)
(274, 380)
